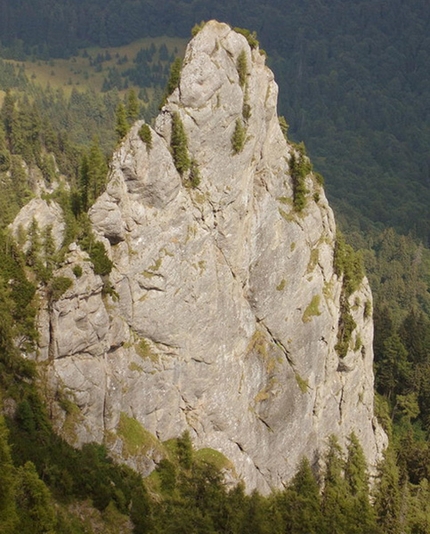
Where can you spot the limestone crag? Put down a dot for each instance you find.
(225, 307)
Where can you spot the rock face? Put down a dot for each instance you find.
(225, 307)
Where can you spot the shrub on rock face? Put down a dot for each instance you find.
(239, 137)
(146, 135)
(59, 285)
(179, 145)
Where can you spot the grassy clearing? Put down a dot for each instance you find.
(77, 72)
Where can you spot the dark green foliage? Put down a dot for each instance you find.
(361, 515)
(98, 256)
(246, 109)
(387, 495)
(239, 137)
(345, 328)
(251, 37)
(58, 286)
(197, 28)
(93, 175)
(8, 515)
(175, 76)
(242, 68)
(132, 106)
(300, 504)
(335, 491)
(146, 135)
(348, 264)
(179, 145)
(174, 79)
(121, 124)
(77, 271)
(299, 168)
(36, 508)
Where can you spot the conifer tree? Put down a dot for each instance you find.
(97, 170)
(179, 145)
(84, 184)
(8, 516)
(335, 491)
(48, 247)
(121, 123)
(36, 510)
(35, 245)
(300, 504)
(132, 106)
(361, 518)
(387, 495)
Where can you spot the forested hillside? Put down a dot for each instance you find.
(354, 86)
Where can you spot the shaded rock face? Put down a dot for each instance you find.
(227, 306)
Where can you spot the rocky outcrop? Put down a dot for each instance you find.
(224, 308)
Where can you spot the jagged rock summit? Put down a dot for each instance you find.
(225, 306)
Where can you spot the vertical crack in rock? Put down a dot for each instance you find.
(279, 344)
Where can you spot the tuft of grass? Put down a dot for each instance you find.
(136, 439)
(313, 260)
(312, 309)
(213, 457)
(302, 383)
(143, 349)
(281, 285)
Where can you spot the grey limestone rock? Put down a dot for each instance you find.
(228, 303)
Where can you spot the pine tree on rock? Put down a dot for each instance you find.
(121, 124)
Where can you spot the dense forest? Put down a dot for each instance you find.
(354, 86)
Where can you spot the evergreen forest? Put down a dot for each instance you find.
(354, 79)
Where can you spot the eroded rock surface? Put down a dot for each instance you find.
(228, 305)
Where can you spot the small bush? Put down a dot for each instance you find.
(238, 137)
(179, 145)
(312, 309)
(349, 264)
(346, 327)
(98, 255)
(58, 286)
(246, 110)
(145, 135)
(197, 28)
(242, 68)
(299, 169)
(77, 271)
(319, 178)
(4, 160)
(251, 37)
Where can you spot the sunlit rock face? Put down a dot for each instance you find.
(224, 308)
